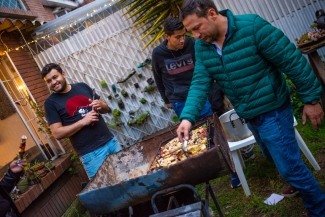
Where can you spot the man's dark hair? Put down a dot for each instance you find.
(48, 67)
(172, 24)
(198, 7)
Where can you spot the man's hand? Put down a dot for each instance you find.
(315, 113)
(183, 130)
(169, 106)
(17, 166)
(99, 106)
(96, 104)
(90, 117)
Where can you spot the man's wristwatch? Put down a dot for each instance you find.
(314, 102)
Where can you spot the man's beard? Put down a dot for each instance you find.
(64, 85)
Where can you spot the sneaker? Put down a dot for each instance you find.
(290, 192)
(235, 182)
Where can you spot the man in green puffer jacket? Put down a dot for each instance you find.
(247, 56)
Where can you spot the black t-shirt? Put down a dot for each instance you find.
(173, 70)
(71, 107)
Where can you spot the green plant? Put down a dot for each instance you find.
(175, 119)
(76, 163)
(36, 165)
(310, 36)
(43, 126)
(49, 165)
(297, 105)
(139, 120)
(14, 197)
(150, 15)
(114, 123)
(32, 177)
(103, 84)
(163, 108)
(76, 209)
(124, 93)
(116, 114)
(120, 104)
(143, 100)
(150, 88)
(22, 185)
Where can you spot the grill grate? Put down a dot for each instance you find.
(168, 154)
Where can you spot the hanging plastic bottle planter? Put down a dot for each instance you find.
(113, 88)
(163, 108)
(150, 81)
(116, 114)
(120, 104)
(124, 93)
(144, 63)
(103, 84)
(143, 100)
(139, 120)
(150, 88)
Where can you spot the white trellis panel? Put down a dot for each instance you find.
(106, 49)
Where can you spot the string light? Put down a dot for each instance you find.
(44, 37)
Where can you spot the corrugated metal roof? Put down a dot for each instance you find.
(24, 25)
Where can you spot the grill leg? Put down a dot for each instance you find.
(209, 189)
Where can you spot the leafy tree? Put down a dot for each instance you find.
(150, 15)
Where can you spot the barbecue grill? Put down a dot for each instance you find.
(124, 179)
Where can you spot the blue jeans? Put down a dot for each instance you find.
(206, 111)
(93, 160)
(274, 133)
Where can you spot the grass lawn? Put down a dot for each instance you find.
(263, 180)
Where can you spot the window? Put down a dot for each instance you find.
(15, 4)
(61, 12)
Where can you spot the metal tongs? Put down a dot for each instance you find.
(94, 94)
(185, 142)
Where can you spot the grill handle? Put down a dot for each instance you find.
(169, 191)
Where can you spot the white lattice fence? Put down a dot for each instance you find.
(108, 48)
(90, 57)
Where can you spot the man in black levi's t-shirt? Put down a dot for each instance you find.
(72, 114)
(173, 65)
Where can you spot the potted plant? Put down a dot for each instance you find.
(22, 185)
(49, 165)
(32, 177)
(37, 166)
(311, 37)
